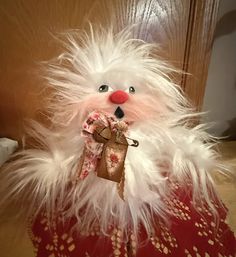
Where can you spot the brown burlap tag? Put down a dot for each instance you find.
(112, 162)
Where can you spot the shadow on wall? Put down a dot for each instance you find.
(230, 132)
(226, 25)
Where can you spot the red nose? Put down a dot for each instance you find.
(119, 97)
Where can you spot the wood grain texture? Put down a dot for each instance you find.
(28, 26)
(201, 27)
(164, 22)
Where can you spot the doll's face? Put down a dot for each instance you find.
(112, 74)
(118, 98)
(126, 96)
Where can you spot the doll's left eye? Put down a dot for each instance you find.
(131, 90)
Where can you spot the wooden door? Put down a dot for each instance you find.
(183, 28)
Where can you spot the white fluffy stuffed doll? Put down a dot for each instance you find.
(121, 172)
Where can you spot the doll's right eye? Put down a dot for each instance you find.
(104, 88)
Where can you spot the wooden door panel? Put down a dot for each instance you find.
(164, 22)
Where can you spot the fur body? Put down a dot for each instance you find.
(169, 150)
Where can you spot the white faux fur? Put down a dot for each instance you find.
(159, 115)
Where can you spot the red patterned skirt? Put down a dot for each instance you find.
(191, 233)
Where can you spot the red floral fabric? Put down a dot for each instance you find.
(93, 149)
(190, 233)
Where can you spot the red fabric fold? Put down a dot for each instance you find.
(191, 232)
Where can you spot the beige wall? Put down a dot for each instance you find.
(220, 94)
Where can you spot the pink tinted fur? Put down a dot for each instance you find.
(138, 107)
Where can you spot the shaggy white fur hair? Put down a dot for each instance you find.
(169, 149)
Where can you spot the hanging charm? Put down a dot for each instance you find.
(105, 149)
(112, 162)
